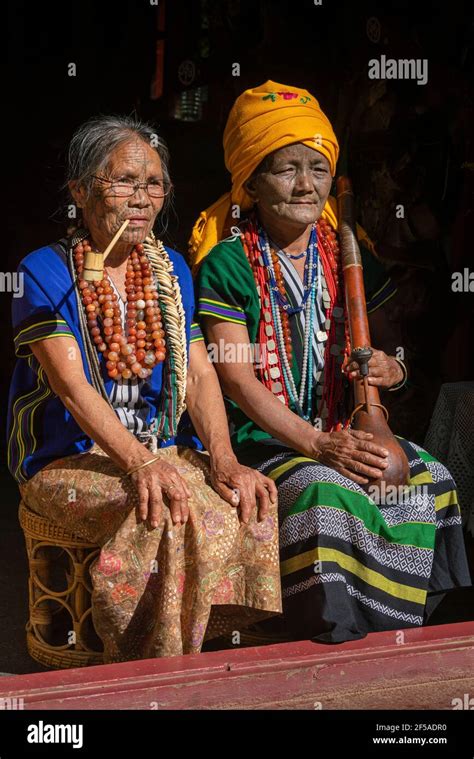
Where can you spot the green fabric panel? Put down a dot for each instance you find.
(425, 456)
(329, 494)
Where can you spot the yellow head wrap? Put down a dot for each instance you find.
(262, 120)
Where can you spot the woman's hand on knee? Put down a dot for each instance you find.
(244, 488)
(160, 485)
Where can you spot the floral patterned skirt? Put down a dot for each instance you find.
(163, 591)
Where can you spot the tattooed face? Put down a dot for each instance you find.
(106, 208)
(293, 186)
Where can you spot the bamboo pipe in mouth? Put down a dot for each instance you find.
(94, 262)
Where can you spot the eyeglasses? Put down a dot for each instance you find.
(126, 188)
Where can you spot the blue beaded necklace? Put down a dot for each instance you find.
(309, 272)
(294, 258)
(302, 400)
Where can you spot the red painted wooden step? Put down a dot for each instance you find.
(417, 668)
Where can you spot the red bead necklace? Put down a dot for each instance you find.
(331, 258)
(329, 240)
(143, 346)
(331, 266)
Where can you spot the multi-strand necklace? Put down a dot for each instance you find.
(302, 399)
(143, 346)
(274, 334)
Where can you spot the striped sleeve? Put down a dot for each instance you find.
(225, 285)
(34, 316)
(221, 310)
(196, 334)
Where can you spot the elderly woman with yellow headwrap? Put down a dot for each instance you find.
(269, 278)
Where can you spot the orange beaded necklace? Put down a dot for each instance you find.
(143, 346)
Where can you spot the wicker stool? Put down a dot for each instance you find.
(59, 632)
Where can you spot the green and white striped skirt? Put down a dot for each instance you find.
(350, 566)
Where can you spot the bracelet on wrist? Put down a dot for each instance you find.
(402, 382)
(140, 466)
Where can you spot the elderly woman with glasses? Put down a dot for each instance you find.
(188, 542)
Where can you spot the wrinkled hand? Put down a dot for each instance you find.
(384, 371)
(352, 454)
(254, 489)
(160, 480)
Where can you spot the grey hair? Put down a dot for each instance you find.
(94, 141)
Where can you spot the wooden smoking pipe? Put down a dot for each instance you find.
(369, 414)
